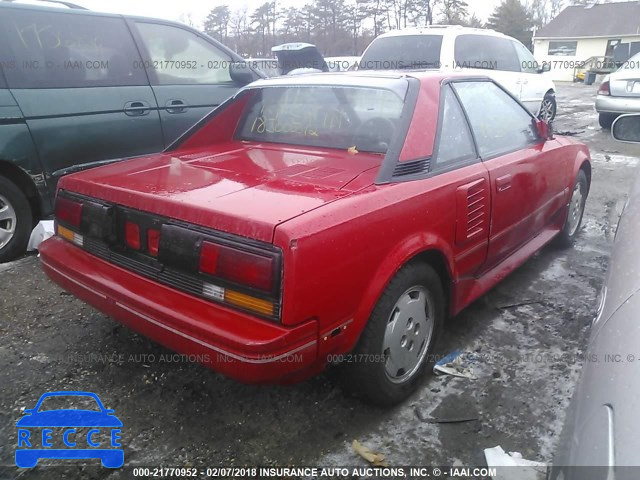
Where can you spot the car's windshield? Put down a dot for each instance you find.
(69, 402)
(324, 116)
(403, 51)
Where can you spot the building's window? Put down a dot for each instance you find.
(563, 49)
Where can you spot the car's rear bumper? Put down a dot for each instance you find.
(233, 343)
(613, 104)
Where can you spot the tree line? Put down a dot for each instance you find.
(346, 27)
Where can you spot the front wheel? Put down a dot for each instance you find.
(575, 211)
(391, 356)
(548, 108)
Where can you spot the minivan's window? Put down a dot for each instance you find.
(62, 50)
(323, 116)
(527, 61)
(485, 51)
(499, 123)
(563, 49)
(455, 143)
(180, 57)
(403, 51)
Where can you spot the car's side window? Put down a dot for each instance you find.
(180, 57)
(64, 50)
(527, 61)
(499, 123)
(455, 144)
(485, 51)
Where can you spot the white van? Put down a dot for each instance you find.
(498, 56)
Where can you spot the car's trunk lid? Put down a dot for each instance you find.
(243, 189)
(625, 83)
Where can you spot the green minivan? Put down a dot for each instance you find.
(80, 88)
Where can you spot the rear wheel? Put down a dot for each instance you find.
(16, 220)
(606, 119)
(391, 356)
(548, 108)
(575, 211)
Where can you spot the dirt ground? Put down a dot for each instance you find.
(523, 340)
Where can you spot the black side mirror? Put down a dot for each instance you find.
(626, 128)
(241, 73)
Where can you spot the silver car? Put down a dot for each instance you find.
(619, 92)
(600, 438)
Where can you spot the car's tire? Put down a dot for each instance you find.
(394, 348)
(606, 120)
(548, 108)
(16, 221)
(575, 211)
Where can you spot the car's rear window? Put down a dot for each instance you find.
(404, 51)
(324, 116)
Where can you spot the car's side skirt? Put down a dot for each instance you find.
(469, 289)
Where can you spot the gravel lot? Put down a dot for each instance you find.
(525, 338)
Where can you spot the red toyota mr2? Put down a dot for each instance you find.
(321, 219)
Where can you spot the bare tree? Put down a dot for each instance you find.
(454, 11)
(422, 11)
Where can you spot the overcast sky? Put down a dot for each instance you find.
(178, 9)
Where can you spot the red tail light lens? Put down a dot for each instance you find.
(132, 235)
(238, 266)
(604, 88)
(68, 211)
(153, 241)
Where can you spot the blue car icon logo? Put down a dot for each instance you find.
(69, 433)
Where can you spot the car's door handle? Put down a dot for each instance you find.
(137, 108)
(176, 106)
(503, 183)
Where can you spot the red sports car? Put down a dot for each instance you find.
(321, 219)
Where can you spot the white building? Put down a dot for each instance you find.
(588, 33)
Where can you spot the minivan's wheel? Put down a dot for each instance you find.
(548, 108)
(16, 221)
(575, 210)
(606, 120)
(394, 348)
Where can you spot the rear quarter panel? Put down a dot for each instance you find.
(339, 258)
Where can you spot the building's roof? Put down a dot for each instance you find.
(599, 20)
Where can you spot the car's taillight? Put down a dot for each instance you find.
(68, 211)
(605, 88)
(153, 241)
(251, 271)
(237, 266)
(132, 235)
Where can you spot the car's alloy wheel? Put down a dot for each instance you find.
(408, 333)
(576, 205)
(16, 220)
(548, 108)
(392, 354)
(575, 211)
(8, 221)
